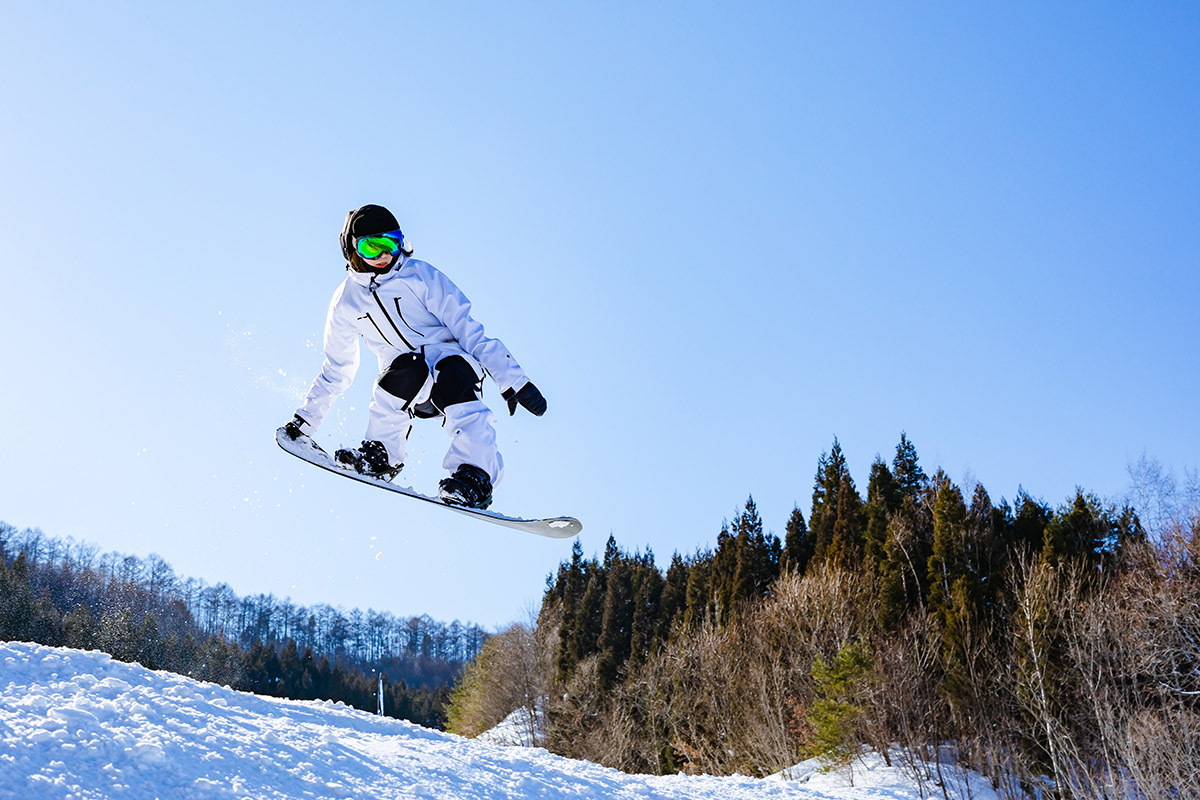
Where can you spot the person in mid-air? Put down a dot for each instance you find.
(432, 360)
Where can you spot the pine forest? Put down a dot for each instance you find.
(1052, 648)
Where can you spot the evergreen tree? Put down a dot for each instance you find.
(904, 578)
(47, 622)
(1078, 531)
(699, 591)
(773, 561)
(836, 522)
(724, 571)
(835, 714)
(308, 676)
(290, 669)
(757, 556)
(256, 667)
(1030, 518)
(586, 639)
(341, 684)
(323, 679)
(16, 601)
(986, 526)
(746, 575)
(118, 635)
(906, 537)
(674, 593)
(79, 628)
(149, 650)
(183, 658)
(612, 553)
(571, 585)
(947, 563)
(963, 573)
(826, 485)
(910, 478)
(798, 544)
(894, 594)
(846, 544)
(617, 622)
(1085, 530)
(647, 624)
(883, 500)
(271, 671)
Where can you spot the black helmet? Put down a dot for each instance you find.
(365, 221)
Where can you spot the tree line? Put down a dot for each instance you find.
(65, 593)
(1024, 639)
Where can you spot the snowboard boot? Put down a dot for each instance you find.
(371, 459)
(469, 486)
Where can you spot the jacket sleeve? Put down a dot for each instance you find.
(339, 369)
(447, 302)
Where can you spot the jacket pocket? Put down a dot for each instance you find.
(400, 314)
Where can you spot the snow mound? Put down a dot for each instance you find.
(871, 776)
(80, 725)
(518, 729)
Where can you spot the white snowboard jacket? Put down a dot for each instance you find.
(411, 307)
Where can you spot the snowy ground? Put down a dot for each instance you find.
(79, 725)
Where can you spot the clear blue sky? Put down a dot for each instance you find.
(716, 236)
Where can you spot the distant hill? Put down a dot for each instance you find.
(66, 593)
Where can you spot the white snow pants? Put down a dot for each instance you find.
(471, 426)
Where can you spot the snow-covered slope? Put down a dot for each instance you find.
(79, 725)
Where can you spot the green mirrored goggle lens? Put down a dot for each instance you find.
(385, 244)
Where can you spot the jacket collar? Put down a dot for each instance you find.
(365, 278)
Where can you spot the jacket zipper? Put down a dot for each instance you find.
(387, 316)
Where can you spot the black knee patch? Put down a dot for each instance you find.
(456, 383)
(405, 376)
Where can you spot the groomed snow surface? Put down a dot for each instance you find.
(77, 725)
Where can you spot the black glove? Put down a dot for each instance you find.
(292, 429)
(529, 396)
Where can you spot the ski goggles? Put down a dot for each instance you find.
(379, 245)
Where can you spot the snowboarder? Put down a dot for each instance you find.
(432, 360)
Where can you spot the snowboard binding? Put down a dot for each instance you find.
(469, 486)
(370, 459)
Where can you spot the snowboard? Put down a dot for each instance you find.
(306, 449)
